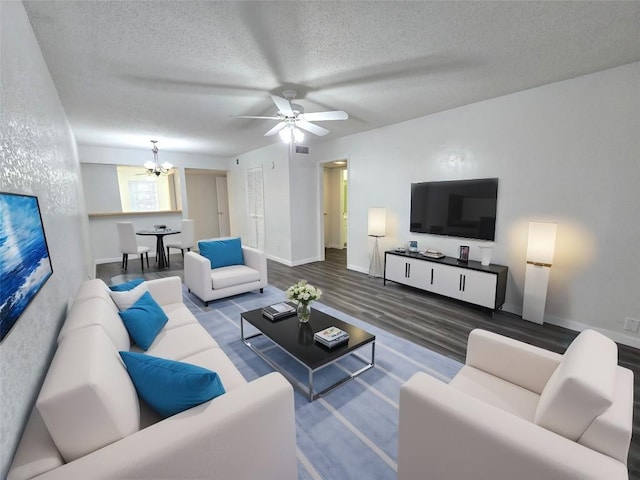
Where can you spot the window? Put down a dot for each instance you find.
(143, 196)
(140, 192)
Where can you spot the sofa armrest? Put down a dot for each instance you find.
(197, 274)
(257, 260)
(244, 434)
(516, 362)
(166, 291)
(448, 434)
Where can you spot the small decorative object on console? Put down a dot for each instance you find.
(330, 337)
(433, 254)
(303, 294)
(278, 311)
(413, 246)
(464, 253)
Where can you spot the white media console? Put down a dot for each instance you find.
(470, 282)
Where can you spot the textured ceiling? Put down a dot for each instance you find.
(129, 71)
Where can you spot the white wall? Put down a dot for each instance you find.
(38, 158)
(103, 234)
(566, 152)
(277, 195)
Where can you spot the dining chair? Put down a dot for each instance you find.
(129, 244)
(187, 239)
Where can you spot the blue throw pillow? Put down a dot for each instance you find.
(125, 287)
(144, 320)
(223, 252)
(170, 387)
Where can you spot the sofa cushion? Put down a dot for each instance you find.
(144, 320)
(97, 311)
(581, 388)
(234, 275)
(222, 252)
(127, 298)
(87, 399)
(95, 288)
(215, 359)
(171, 387)
(126, 286)
(490, 389)
(181, 342)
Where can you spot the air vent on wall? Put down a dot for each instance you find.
(302, 149)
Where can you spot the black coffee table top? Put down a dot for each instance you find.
(297, 338)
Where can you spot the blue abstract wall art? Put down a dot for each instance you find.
(25, 265)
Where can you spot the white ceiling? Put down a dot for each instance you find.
(129, 71)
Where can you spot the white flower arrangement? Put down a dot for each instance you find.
(302, 292)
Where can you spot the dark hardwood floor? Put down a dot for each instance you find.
(435, 322)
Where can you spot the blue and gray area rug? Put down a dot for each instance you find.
(352, 432)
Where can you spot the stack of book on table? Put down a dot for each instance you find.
(278, 311)
(330, 337)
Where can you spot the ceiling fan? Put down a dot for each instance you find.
(292, 118)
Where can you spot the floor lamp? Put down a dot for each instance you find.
(377, 228)
(540, 249)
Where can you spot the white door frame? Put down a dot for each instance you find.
(320, 213)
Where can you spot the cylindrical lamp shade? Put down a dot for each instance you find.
(377, 222)
(542, 243)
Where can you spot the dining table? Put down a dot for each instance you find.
(160, 233)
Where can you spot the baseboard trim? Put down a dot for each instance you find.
(305, 260)
(280, 260)
(356, 268)
(100, 261)
(579, 326)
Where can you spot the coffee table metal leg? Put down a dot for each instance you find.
(310, 385)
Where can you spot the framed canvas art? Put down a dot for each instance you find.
(25, 265)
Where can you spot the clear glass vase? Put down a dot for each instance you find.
(304, 312)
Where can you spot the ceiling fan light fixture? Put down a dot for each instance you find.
(285, 135)
(298, 135)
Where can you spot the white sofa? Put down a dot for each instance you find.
(89, 422)
(212, 284)
(518, 411)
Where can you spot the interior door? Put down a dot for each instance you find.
(223, 206)
(255, 208)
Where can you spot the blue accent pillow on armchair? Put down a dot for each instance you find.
(144, 320)
(170, 387)
(222, 252)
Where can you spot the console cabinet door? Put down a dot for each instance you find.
(396, 269)
(446, 281)
(408, 271)
(464, 284)
(479, 288)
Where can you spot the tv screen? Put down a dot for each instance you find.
(461, 208)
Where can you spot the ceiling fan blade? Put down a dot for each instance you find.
(310, 127)
(283, 105)
(275, 129)
(322, 116)
(250, 116)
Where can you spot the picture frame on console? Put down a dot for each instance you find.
(464, 254)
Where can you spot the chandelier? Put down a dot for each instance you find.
(155, 167)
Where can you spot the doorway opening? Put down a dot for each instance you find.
(335, 209)
(208, 202)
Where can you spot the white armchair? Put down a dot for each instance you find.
(518, 411)
(212, 284)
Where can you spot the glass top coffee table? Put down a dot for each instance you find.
(296, 340)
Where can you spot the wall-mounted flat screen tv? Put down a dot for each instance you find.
(459, 208)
